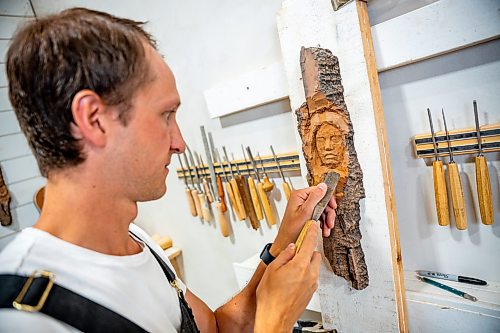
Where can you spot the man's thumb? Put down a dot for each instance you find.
(285, 256)
(317, 193)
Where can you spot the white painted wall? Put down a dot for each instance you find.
(19, 167)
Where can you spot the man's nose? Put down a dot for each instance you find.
(178, 144)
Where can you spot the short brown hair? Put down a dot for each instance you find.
(55, 57)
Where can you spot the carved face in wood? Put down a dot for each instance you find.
(330, 145)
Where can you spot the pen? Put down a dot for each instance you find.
(451, 277)
(447, 288)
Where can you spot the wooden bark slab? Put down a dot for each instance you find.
(5, 216)
(328, 145)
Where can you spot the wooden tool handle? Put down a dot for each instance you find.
(484, 190)
(266, 204)
(457, 196)
(221, 217)
(247, 201)
(240, 210)
(190, 201)
(208, 193)
(205, 207)
(230, 194)
(303, 233)
(197, 204)
(440, 195)
(287, 190)
(255, 199)
(220, 189)
(268, 186)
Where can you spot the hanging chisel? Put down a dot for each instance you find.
(194, 192)
(205, 206)
(253, 190)
(239, 209)
(271, 220)
(483, 178)
(206, 184)
(457, 194)
(189, 197)
(223, 222)
(246, 197)
(267, 185)
(286, 186)
(218, 178)
(229, 190)
(440, 194)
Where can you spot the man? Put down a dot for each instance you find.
(98, 105)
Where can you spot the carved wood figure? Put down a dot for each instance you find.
(328, 144)
(5, 216)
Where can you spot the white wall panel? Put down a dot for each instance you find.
(15, 8)
(18, 169)
(8, 123)
(23, 192)
(4, 100)
(8, 25)
(3, 76)
(12, 146)
(4, 45)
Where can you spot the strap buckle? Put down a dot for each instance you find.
(30, 308)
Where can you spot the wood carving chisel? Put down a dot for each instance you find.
(271, 220)
(189, 197)
(194, 191)
(441, 197)
(240, 210)
(286, 186)
(220, 186)
(229, 189)
(457, 194)
(331, 180)
(206, 184)
(246, 198)
(268, 186)
(253, 191)
(223, 222)
(483, 178)
(205, 207)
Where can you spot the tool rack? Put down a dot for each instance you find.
(463, 141)
(288, 162)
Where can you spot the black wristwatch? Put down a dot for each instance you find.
(265, 255)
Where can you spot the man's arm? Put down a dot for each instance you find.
(238, 315)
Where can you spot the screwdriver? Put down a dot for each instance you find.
(229, 190)
(194, 192)
(189, 197)
(440, 194)
(205, 205)
(263, 195)
(286, 186)
(239, 209)
(483, 178)
(206, 184)
(246, 198)
(457, 194)
(268, 186)
(253, 190)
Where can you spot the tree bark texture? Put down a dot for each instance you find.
(327, 136)
(5, 216)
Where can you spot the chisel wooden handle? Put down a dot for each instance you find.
(208, 193)
(197, 204)
(247, 201)
(221, 217)
(441, 197)
(190, 201)
(230, 194)
(255, 199)
(267, 206)
(484, 190)
(239, 209)
(205, 207)
(457, 196)
(220, 189)
(287, 190)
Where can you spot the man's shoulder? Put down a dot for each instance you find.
(12, 320)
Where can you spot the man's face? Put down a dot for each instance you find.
(143, 149)
(330, 145)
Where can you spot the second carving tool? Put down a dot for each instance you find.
(229, 189)
(223, 222)
(457, 194)
(216, 158)
(194, 192)
(267, 185)
(238, 208)
(246, 198)
(253, 190)
(189, 197)
(483, 178)
(205, 205)
(286, 186)
(271, 220)
(206, 184)
(441, 197)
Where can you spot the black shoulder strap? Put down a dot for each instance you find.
(64, 305)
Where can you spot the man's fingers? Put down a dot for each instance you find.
(309, 242)
(314, 195)
(333, 202)
(285, 256)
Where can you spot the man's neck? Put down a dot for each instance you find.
(89, 215)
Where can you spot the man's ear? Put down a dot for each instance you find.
(88, 111)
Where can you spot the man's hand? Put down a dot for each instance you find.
(299, 209)
(288, 285)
